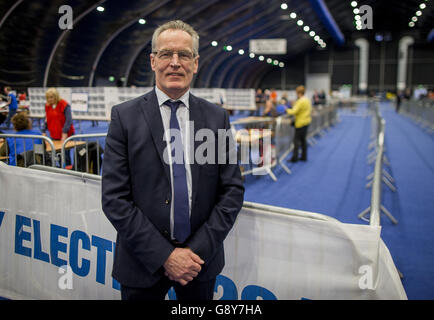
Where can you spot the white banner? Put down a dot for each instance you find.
(267, 46)
(50, 220)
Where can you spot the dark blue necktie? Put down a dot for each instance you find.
(180, 191)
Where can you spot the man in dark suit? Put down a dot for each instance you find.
(171, 216)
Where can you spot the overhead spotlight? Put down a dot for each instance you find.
(284, 6)
(214, 43)
(241, 51)
(100, 9)
(261, 58)
(323, 45)
(251, 55)
(306, 28)
(293, 15)
(281, 64)
(422, 6)
(229, 48)
(275, 62)
(357, 17)
(300, 22)
(418, 13)
(111, 78)
(411, 24)
(142, 21)
(312, 33)
(356, 11)
(316, 38)
(414, 19)
(359, 27)
(354, 4)
(269, 60)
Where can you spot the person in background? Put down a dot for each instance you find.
(260, 102)
(22, 96)
(58, 116)
(322, 97)
(281, 107)
(58, 119)
(398, 101)
(302, 112)
(270, 108)
(316, 100)
(13, 105)
(17, 146)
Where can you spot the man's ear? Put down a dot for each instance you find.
(196, 64)
(151, 56)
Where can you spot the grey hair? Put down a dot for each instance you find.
(176, 25)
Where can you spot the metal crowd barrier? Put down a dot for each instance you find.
(253, 136)
(87, 152)
(379, 175)
(322, 118)
(421, 111)
(282, 133)
(87, 149)
(37, 153)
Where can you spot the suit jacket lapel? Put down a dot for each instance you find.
(151, 110)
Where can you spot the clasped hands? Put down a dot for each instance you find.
(183, 265)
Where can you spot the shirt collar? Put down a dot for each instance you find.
(162, 97)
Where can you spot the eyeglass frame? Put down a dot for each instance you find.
(172, 52)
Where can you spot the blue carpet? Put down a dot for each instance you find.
(333, 182)
(336, 166)
(411, 152)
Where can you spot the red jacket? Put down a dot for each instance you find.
(56, 120)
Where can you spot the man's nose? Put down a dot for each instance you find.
(174, 61)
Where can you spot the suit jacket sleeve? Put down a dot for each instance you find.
(210, 236)
(143, 239)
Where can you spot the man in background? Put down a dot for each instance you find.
(12, 104)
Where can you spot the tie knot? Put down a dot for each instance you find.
(173, 104)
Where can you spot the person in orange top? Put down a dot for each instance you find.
(58, 116)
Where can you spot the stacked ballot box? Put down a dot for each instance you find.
(95, 103)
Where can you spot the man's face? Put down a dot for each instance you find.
(174, 63)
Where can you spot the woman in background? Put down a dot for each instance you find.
(58, 119)
(302, 112)
(16, 148)
(58, 116)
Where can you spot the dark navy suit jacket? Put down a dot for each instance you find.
(136, 192)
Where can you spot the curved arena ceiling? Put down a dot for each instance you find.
(112, 43)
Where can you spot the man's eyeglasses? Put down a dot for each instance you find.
(183, 55)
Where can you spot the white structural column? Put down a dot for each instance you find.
(363, 45)
(404, 43)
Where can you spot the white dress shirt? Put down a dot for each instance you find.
(183, 117)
